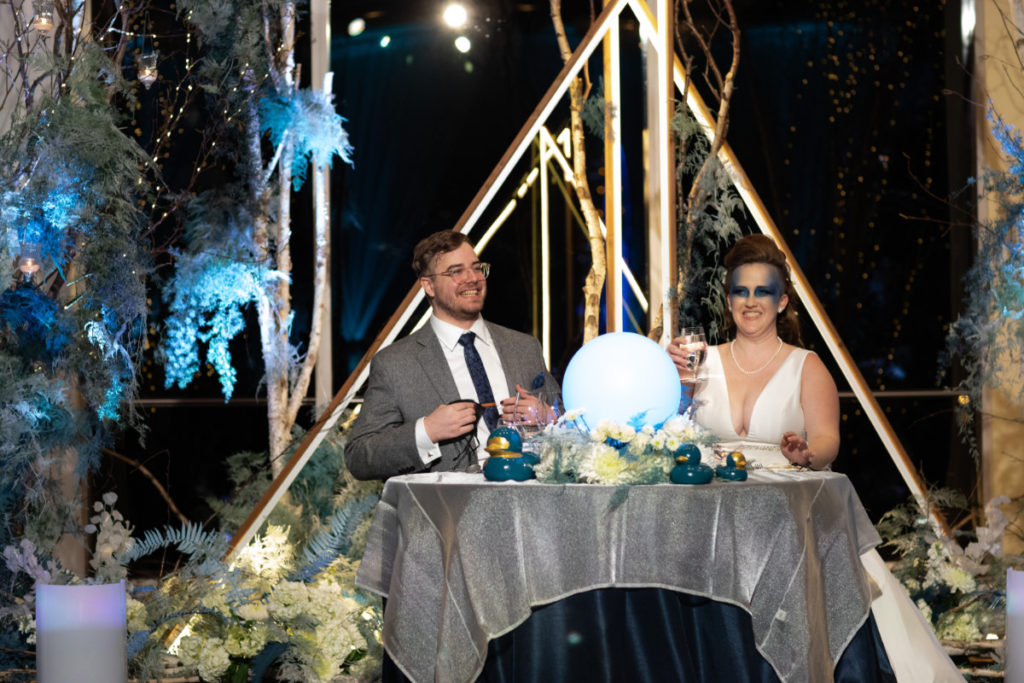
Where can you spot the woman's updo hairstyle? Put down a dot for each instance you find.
(759, 248)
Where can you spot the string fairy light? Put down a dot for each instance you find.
(859, 66)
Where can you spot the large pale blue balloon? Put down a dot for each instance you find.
(622, 377)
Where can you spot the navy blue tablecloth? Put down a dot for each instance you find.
(649, 635)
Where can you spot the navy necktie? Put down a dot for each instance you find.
(479, 377)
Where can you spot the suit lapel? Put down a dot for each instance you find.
(431, 358)
(508, 356)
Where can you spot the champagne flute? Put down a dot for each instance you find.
(695, 344)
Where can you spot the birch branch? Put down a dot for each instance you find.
(313, 349)
(594, 282)
(698, 195)
(276, 159)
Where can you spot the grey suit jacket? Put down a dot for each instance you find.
(408, 380)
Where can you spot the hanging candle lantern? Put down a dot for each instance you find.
(146, 64)
(43, 19)
(30, 260)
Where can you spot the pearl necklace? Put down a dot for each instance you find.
(732, 351)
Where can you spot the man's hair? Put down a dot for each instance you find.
(433, 245)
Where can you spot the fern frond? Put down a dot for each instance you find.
(336, 539)
(189, 539)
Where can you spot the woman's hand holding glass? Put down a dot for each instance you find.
(688, 352)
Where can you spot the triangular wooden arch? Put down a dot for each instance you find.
(668, 80)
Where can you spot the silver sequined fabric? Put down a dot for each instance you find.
(462, 560)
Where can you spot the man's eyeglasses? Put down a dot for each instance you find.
(461, 273)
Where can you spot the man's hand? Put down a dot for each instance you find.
(450, 420)
(529, 410)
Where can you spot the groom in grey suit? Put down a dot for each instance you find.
(421, 408)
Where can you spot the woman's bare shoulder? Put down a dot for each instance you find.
(816, 374)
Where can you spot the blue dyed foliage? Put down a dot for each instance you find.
(1009, 139)
(71, 182)
(35, 418)
(705, 228)
(208, 296)
(988, 337)
(335, 539)
(313, 128)
(234, 242)
(30, 322)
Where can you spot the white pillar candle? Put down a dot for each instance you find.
(1014, 644)
(80, 633)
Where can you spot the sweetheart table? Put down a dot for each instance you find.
(461, 560)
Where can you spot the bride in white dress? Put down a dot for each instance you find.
(761, 393)
(777, 404)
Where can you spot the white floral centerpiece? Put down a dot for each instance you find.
(271, 606)
(612, 453)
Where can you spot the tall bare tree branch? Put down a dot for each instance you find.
(699, 194)
(594, 283)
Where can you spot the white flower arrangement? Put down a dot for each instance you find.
(959, 587)
(611, 453)
(232, 613)
(327, 630)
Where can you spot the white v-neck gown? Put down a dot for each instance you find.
(776, 411)
(914, 652)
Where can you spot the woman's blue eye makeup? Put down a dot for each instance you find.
(771, 291)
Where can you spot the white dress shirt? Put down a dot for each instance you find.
(455, 354)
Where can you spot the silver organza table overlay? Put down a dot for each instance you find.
(462, 560)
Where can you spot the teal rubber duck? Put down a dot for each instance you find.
(688, 469)
(734, 469)
(507, 461)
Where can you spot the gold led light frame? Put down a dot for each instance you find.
(666, 82)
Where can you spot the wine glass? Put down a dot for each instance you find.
(510, 420)
(695, 344)
(531, 414)
(526, 415)
(553, 408)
